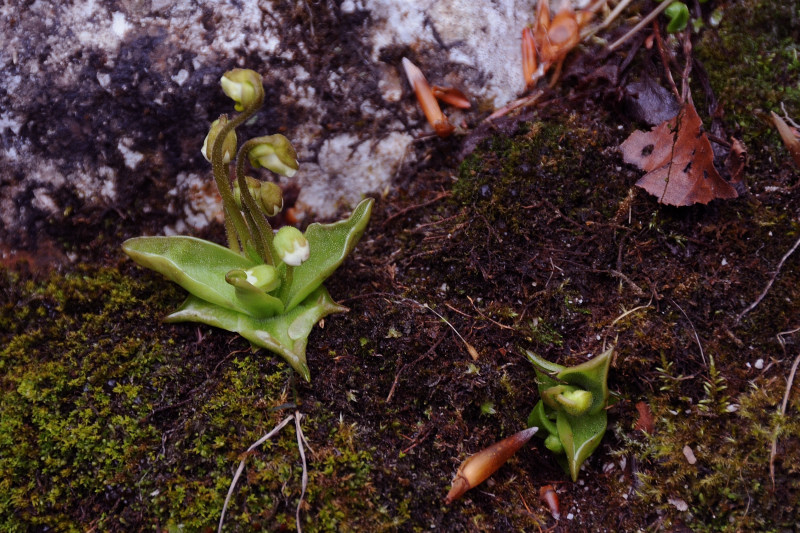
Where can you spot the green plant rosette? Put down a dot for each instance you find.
(579, 435)
(222, 296)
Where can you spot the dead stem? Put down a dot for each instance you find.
(663, 53)
(438, 197)
(239, 470)
(769, 285)
(300, 441)
(470, 349)
(696, 337)
(417, 360)
(644, 22)
(608, 20)
(789, 382)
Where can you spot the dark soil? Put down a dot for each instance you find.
(526, 234)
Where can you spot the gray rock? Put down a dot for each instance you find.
(104, 105)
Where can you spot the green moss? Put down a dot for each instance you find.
(728, 488)
(108, 421)
(752, 63)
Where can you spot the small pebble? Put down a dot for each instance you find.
(689, 454)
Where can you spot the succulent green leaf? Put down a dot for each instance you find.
(592, 376)
(678, 15)
(543, 365)
(539, 418)
(329, 246)
(286, 334)
(196, 265)
(580, 436)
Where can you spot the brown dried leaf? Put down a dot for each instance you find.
(645, 422)
(737, 158)
(679, 161)
(791, 142)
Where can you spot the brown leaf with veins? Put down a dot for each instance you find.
(679, 161)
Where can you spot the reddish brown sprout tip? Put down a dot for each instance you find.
(528, 57)
(476, 468)
(452, 96)
(426, 99)
(542, 23)
(550, 497)
(460, 486)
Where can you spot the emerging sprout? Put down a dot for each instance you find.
(427, 100)
(476, 468)
(678, 15)
(291, 246)
(549, 496)
(228, 149)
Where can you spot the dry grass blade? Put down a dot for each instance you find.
(788, 137)
(300, 440)
(769, 284)
(789, 382)
(239, 470)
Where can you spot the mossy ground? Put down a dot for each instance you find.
(112, 420)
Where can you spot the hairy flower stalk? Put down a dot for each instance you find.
(250, 100)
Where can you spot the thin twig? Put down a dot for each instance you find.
(609, 19)
(471, 349)
(663, 52)
(417, 360)
(300, 439)
(631, 311)
(417, 206)
(696, 337)
(769, 285)
(644, 22)
(498, 324)
(239, 470)
(789, 382)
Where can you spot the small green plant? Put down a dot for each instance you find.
(572, 408)
(266, 287)
(678, 15)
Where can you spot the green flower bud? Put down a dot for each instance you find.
(275, 153)
(553, 443)
(271, 198)
(291, 245)
(575, 402)
(268, 195)
(265, 277)
(243, 86)
(228, 148)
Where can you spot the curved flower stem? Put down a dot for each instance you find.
(220, 169)
(260, 229)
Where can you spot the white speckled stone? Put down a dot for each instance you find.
(104, 105)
